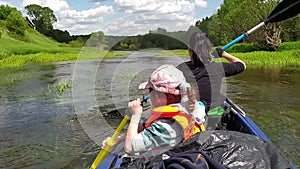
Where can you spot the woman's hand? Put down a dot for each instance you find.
(135, 107)
(218, 53)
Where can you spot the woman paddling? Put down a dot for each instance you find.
(207, 75)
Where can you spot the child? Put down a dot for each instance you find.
(175, 114)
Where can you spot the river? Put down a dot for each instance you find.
(44, 124)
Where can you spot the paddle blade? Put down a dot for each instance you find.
(284, 10)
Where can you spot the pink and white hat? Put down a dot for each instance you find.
(167, 79)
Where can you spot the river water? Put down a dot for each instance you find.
(44, 124)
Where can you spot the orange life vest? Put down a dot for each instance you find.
(187, 122)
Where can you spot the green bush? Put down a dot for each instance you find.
(243, 48)
(76, 43)
(16, 24)
(5, 11)
(289, 46)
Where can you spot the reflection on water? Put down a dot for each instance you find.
(40, 128)
(271, 97)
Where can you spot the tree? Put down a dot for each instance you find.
(15, 23)
(5, 10)
(97, 39)
(235, 17)
(203, 25)
(59, 35)
(221, 30)
(291, 29)
(42, 17)
(13, 20)
(215, 32)
(269, 37)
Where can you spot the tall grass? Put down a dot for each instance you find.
(180, 53)
(39, 49)
(60, 87)
(270, 59)
(42, 57)
(289, 46)
(288, 55)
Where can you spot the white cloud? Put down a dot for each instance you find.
(201, 3)
(55, 5)
(165, 6)
(74, 21)
(138, 16)
(4, 3)
(173, 15)
(141, 23)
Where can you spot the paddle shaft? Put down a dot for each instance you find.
(272, 18)
(243, 36)
(109, 144)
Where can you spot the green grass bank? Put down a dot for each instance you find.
(35, 48)
(287, 55)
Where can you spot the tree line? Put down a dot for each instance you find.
(232, 19)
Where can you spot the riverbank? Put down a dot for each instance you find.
(288, 55)
(38, 49)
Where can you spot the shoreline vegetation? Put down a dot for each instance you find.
(288, 55)
(37, 49)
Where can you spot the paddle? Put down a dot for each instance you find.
(111, 142)
(284, 10)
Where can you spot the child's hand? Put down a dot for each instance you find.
(135, 107)
(104, 142)
(115, 142)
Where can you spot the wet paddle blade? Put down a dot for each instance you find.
(284, 10)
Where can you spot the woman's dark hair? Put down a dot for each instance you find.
(200, 47)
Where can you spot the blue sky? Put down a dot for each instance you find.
(123, 17)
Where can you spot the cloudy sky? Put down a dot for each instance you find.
(123, 17)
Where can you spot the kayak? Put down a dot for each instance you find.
(232, 139)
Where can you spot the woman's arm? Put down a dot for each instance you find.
(231, 58)
(136, 110)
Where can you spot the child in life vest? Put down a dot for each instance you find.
(175, 113)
